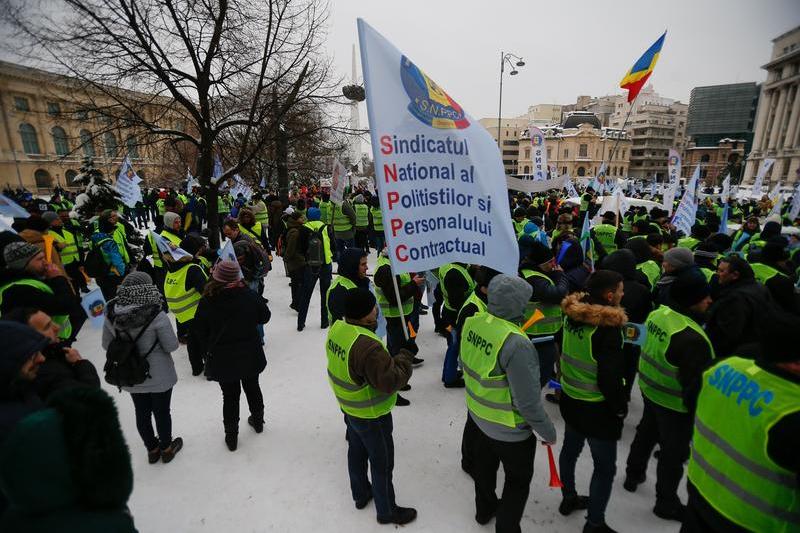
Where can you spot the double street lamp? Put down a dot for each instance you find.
(506, 58)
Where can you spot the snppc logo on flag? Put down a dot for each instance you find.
(673, 160)
(537, 140)
(429, 103)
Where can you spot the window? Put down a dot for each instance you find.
(526, 170)
(563, 170)
(548, 152)
(583, 150)
(60, 140)
(623, 154)
(566, 153)
(581, 171)
(53, 109)
(43, 179)
(29, 141)
(21, 104)
(133, 148)
(527, 153)
(87, 143)
(704, 158)
(70, 175)
(82, 114)
(110, 140)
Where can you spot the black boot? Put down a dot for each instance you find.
(588, 527)
(573, 503)
(256, 423)
(400, 516)
(402, 402)
(232, 440)
(632, 482)
(675, 511)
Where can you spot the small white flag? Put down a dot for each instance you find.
(227, 253)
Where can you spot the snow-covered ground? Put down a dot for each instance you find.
(293, 477)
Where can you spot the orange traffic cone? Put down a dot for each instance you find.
(555, 481)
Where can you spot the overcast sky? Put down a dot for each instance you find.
(570, 47)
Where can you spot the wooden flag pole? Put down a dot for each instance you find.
(399, 303)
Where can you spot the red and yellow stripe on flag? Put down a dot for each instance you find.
(636, 77)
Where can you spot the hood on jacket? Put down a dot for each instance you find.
(508, 297)
(71, 454)
(572, 254)
(582, 311)
(128, 317)
(640, 249)
(623, 262)
(348, 263)
(21, 342)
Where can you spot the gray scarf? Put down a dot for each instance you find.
(138, 295)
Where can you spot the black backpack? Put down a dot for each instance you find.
(125, 366)
(315, 250)
(95, 263)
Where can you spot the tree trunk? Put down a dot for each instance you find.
(206, 170)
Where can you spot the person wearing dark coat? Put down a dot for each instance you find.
(676, 262)
(226, 329)
(352, 265)
(732, 317)
(637, 302)
(67, 468)
(573, 264)
(63, 367)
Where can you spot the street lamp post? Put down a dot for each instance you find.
(506, 58)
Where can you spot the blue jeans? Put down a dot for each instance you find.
(450, 367)
(149, 405)
(395, 337)
(604, 456)
(371, 441)
(324, 275)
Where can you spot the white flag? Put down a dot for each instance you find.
(218, 172)
(128, 184)
(775, 193)
(571, 191)
(338, 182)
(263, 183)
(538, 154)
(227, 253)
(758, 184)
(726, 189)
(686, 214)
(10, 208)
(166, 247)
(795, 209)
(440, 176)
(777, 207)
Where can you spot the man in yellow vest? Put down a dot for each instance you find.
(504, 403)
(362, 222)
(743, 471)
(607, 234)
(352, 273)
(344, 221)
(550, 286)
(365, 379)
(254, 229)
(183, 286)
(68, 249)
(593, 401)
(675, 354)
(319, 257)
(455, 286)
(376, 224)
(29, 280)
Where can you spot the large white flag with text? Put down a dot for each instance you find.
(439, 174)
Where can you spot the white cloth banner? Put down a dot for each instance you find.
(439, 173)
(777, 206)
(795, 209)
(538, 153)
(758, 184)
(166, 247)
(674, 175)
(530, 186)
(218, 171)
(227, 253)
(571, 191)
(338, 182)
(726, 189)
(775, 193)
(686, 213)
(128, 184)
(10, 208)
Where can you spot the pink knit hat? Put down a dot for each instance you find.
(227, 272)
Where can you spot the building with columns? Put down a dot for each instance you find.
(777, 133)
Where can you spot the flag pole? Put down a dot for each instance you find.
(399, 303)
(622, 129)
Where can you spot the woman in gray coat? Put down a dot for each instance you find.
(139, 305)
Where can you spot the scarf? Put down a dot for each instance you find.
(138, 295)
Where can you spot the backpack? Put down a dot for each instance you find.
(125, 366)
(315, 250)
(95, 263)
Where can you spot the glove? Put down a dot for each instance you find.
(411, 346)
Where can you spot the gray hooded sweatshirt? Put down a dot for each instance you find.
(519, 361)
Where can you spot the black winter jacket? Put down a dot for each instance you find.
(348, 267)
(226, 327)
(732, 318)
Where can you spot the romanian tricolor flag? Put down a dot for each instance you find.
(636, 77)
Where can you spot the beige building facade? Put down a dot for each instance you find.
(50, 124)
(510, 129)
(777, 130)
(715, 161)
(579, 151)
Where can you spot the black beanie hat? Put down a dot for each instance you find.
(539, 253)
(358, 303)
(689, 288)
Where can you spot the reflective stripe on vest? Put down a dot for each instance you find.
(69, 253)
(553, 317)
(443, 270)
(340, 221)
(325, 212)
(362, 215)
(254, 232)
(64, 325)
(730, 465)
(392, 311)
(658, 379)
(122, 242)
(338, 280)
(182, 303)
(578, 366)
(377, 219)
(261, 216)
(607, 235)
(361, 401)
(488, 395)
(764, 273)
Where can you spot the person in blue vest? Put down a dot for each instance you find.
(674, 356)
(744, 467)
(365, 379)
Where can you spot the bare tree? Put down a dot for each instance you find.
(227, 69)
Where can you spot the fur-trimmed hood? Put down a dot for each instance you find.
(594, 314)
